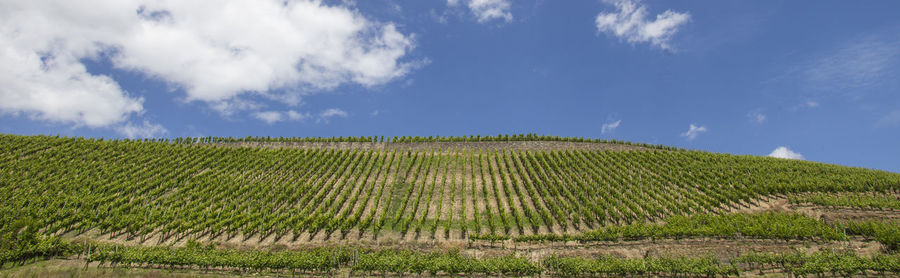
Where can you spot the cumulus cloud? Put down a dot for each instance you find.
(56, 88)
(325, 116)
(610, 126)
(784, 152)
(216, 51)
(144, 130)
(487, 10)
(693, 132)
(630, 22)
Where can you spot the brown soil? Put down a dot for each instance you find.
(468, 196)
(766, 203)
(538, 202)
(828, 214)
(720, 248)
(438, 192)
(847, 214)
(524, 200)
(457, 201)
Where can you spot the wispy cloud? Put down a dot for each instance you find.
(890, 119)
(693, 131)
(853, 70)
(325, 116)
(784, 152)
(632, 23)
(610, 126)
(144, 130)
(486, 10)
(856, 71)
(859, 65)
(756, 116)
(271, 117)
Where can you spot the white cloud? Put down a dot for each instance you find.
(59, 89)
(487, 10)
(610, 127)
(630, 23)
(440, 18)
(784, 152)
(145, 130)
(325, 116)
(812, 103)
(693, 132)
(271, 117)
(850, 69)
(216, 51)
(296, 116)
(756, 116)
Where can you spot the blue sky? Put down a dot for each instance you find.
(810, 79)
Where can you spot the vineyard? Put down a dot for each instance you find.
(141, 202)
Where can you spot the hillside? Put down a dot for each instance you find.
(302, 192)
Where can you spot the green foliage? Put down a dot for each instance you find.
(754, 225)
(408, 262)
(450, 262)
(708, 266)
(887, 233)
(843, 264)
(137, 189)
(771, 225)
(313, 260)
(489, 237)
(854, 200)
(20, 241)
